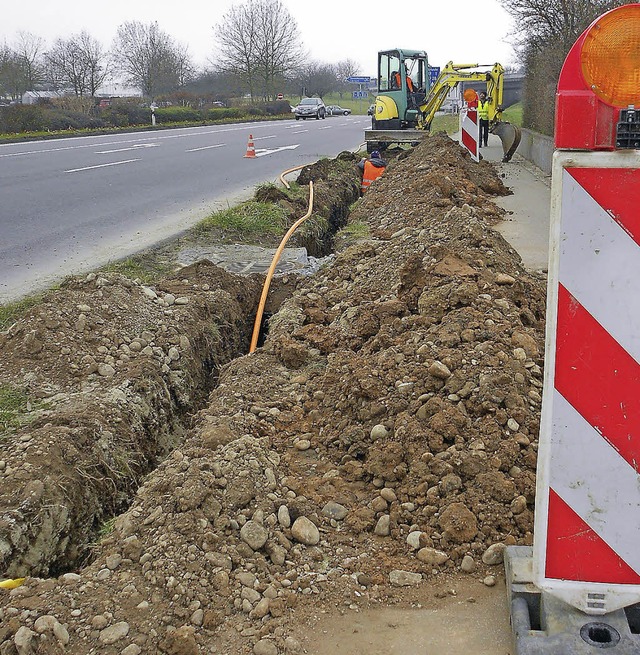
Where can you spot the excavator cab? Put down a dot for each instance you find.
(406, 102)
(403, 82)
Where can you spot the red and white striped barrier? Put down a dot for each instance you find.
(470, 131)
(587, 532)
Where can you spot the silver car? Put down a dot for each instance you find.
(337, 110)
(310, 108)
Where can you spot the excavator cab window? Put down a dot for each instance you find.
(416, 72)
(388, 71)
(416, 81)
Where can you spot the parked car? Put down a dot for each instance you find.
(371, 110)
(337, 110)
(310, 108)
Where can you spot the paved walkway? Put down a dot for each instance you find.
(526, 225)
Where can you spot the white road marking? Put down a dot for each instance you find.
(37, 152)
(217, 145)
(88, 168)
(261, 138)
(327, 127)
(299, 132)
(134, 147)
(153, 136)
(261, 152)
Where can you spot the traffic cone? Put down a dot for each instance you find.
(251, 149)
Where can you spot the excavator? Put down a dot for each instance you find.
(406, 102)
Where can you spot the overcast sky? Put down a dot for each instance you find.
(465, 31)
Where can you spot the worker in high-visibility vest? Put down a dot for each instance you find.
(483, 117)
(372, 169)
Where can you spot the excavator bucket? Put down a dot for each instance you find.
(509, 135)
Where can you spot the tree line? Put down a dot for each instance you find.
(257, 50)
(545, 30)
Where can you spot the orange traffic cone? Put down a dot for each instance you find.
(251, 149)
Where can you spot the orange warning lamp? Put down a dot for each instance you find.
(600, 77)
(469, 95)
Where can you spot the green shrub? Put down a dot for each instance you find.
(125, 114)
(220, 113)
(22, 118)
(177, 114)
(58, 119)
(277, 107)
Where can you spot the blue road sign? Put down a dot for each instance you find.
(434, 71)
(360, 94)
(359, 80)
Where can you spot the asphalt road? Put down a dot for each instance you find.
(70, 205)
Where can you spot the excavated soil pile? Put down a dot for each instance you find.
(383, 437)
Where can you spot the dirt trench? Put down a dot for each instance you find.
(116, 370)
(383, 437)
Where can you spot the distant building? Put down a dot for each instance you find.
(32, 97)
(116, 90)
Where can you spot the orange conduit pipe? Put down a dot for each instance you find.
(272, 268)
(290, 170)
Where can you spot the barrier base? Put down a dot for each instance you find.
(544, 625)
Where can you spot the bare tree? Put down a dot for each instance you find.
(150, 59)
(96, 61)
(541, 22)
(29, 49)
(280, 45)
(21, 65)
(345, 69)
(318, 79)
(212, 86)
(79, 63)
(238, 45)
(11, 78)
(259, 42)
(545, 30)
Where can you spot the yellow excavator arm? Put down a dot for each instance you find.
(450, 76)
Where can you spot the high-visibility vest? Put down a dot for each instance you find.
(483, 110)
(370, 174)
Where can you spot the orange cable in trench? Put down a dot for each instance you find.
(272, 268)
(290, 170)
